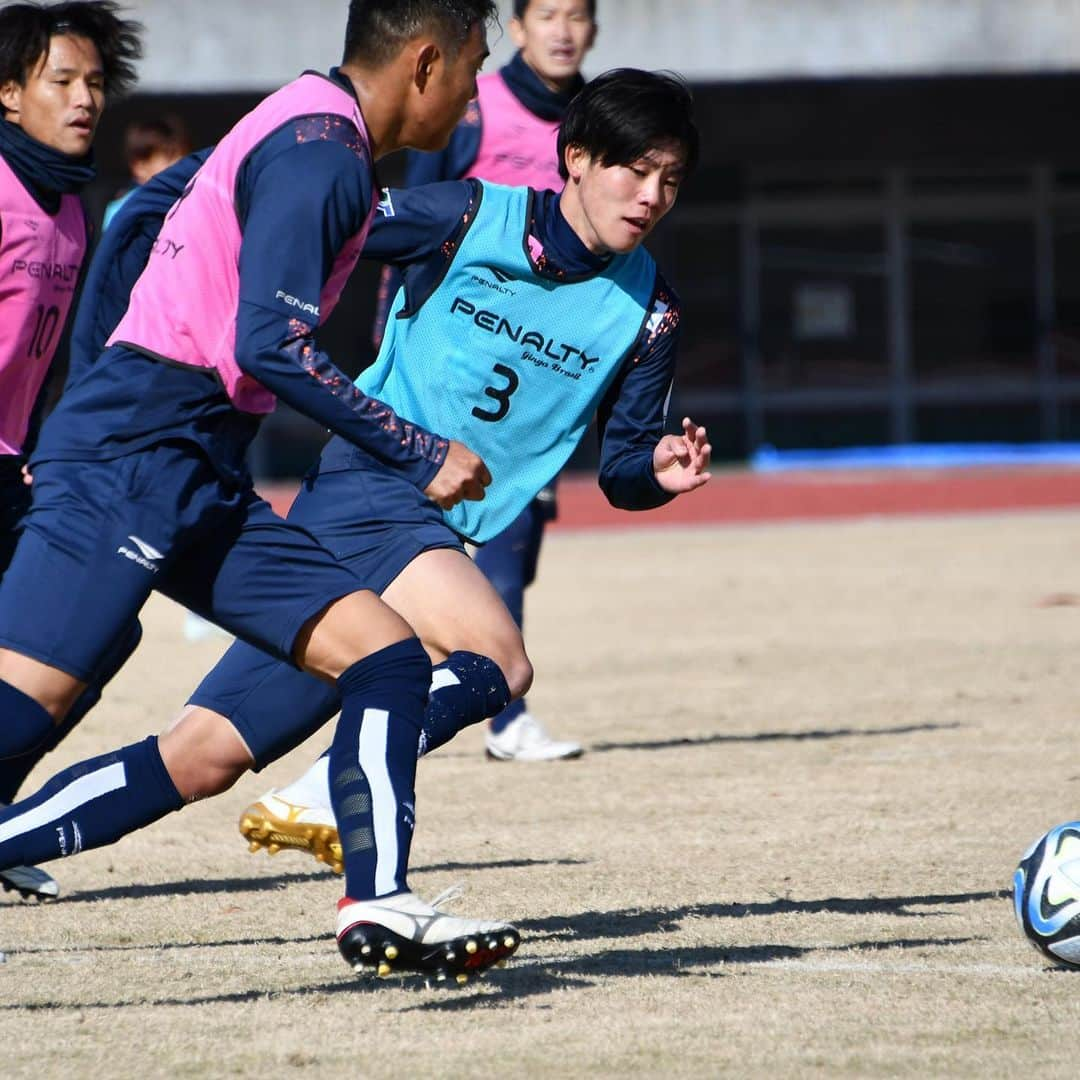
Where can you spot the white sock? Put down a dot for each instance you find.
(311, 789)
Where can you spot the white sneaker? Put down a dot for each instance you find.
(30, 882)
(274, 823)
(405, 932)
(525, 739)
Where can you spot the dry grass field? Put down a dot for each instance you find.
(816, 752)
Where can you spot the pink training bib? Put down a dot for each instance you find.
(517, 148)
(40, 259)
(184, 306)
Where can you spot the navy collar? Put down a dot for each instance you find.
(46, 173)
(336, 77)
(530, 90)
(565, 256)
(344, 82)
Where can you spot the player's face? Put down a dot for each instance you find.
(450, 85)
(63, 97)
(554, 36)
(147, 168)
(613, 208)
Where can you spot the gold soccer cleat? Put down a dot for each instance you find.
(275, 824)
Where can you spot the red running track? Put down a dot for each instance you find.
(738, 496)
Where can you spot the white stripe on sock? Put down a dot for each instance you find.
(384, 805)
(441, 678)
(77, 793)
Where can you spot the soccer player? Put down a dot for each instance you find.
(150, 146)
(486, 338)
(58, 66)
(140, 481)
(509, 136)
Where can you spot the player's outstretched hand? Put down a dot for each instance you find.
(463, 476)
(680, 461)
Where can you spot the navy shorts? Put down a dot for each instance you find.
(376, 523)
(101, 535)
(373, 520)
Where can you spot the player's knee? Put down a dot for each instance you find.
(203, 754)
(52, 689)
(507, 650)
(518, 672)
(213, 779)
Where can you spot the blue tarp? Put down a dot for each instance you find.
(917, 456)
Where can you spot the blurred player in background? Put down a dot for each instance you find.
(58, 66)
(508, 136)
(149, 147)
(457, 341)
(120, 258)
(141, 484)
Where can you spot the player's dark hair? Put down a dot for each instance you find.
(160, 134)
(27, 29)
(377, 29)
(521, 6)
(623, 114)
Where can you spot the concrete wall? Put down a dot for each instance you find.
(214, 45)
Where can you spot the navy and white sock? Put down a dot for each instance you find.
(373, 766)
(465, 689)
(24, 724)
(89, 805)
(507, 716)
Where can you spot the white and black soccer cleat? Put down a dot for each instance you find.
(30, 882)
(403, 933)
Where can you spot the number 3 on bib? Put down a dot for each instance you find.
(501, 395)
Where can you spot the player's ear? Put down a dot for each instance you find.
(577, 159)
(517, 32)
(593, 29)
(11, 96)
(427, 57)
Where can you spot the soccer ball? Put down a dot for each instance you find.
(1046, 894)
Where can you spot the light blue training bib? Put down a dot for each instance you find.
(512, 364)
